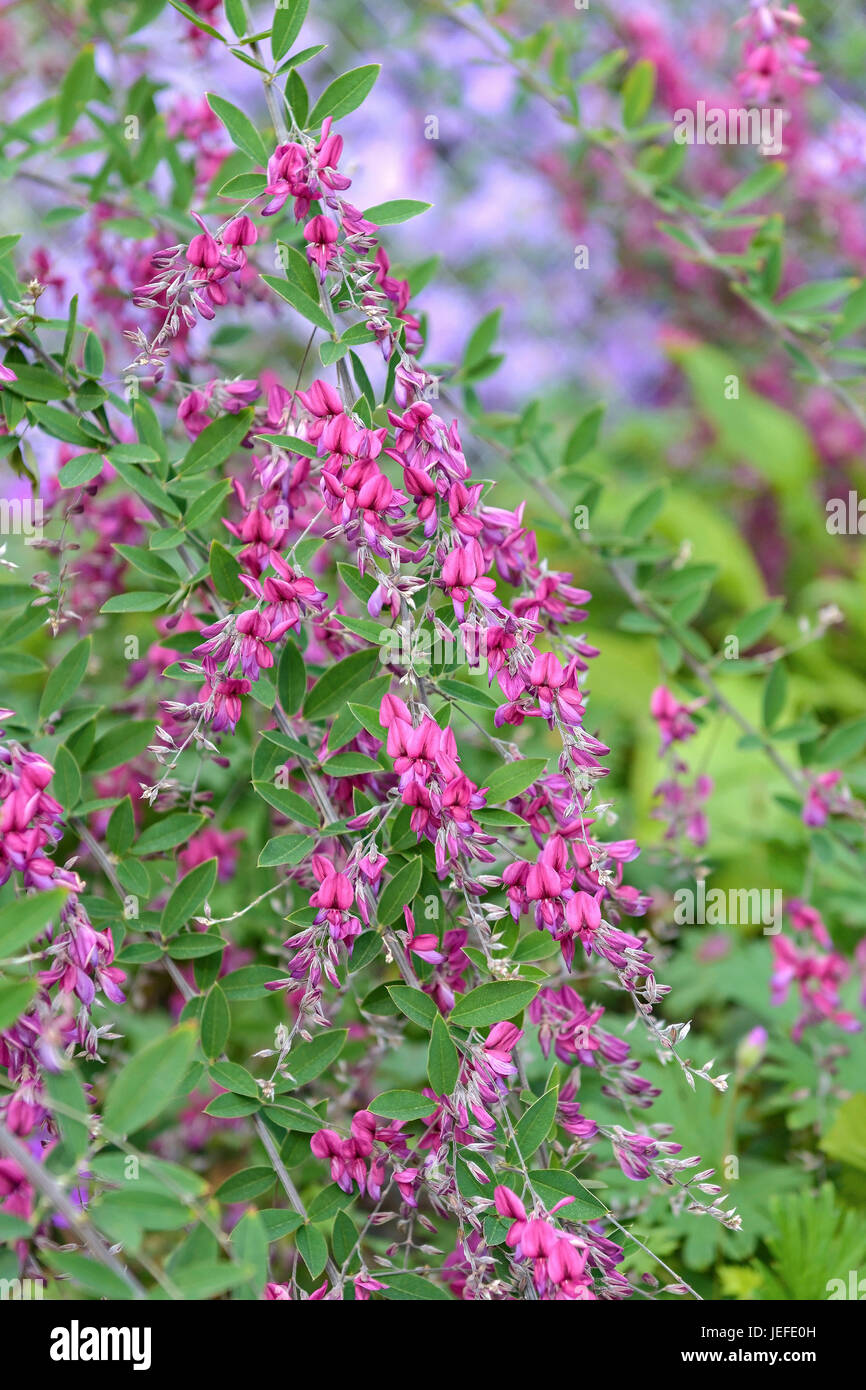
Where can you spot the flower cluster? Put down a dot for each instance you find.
(817, 975)
(682, 803)
(77, 960)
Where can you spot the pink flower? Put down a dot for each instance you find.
(227, 706)
(818, 805)
(672, 716)
(203, 250)
(321, 235)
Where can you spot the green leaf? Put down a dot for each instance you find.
(224, 571)
(344, 1237)
(89, 1274)
(147, 1083)
(245, 1185)
(328, 1202)
(291, 676)
(217, 442)
(637, 92)
(538, 945)
(239, 127)
(155, 1175)
(752, 628)
(193, 945)
(215, 1022)
(350, 765)
(285, 849)
(584, 436)
(481, 340)
(120, 745)
(345, 94)
(26, 918)
(366, 948)
(513, 778)
(443, 1063)
(289, 803)
(61, 425)
(533, 1126)
(491, 1003)
(299, 301)
(816, 295)
(402, 1105)
(66, 784)
(14, 595)
(842, 744)
(289, 19)
(853, 313)
(229, 1107)
(756, 185)
(167, 833)
(299, 273)
(297, 96)
(332, 690)
(187, 896)
(236, 16)
(400, 890)
(845, 1140)
(775, 692)
(121, 1211)
(136, 601)
(308, 1060)
(292, 1114)
(65, 679)
(363, 381)
(552, 1184)
(411, 1288)
(243, 186)
(80, 470)
(312, 1248)
(290, 442)
(146, 562)
(94, 357)
(67, 1095)
(147, 487)
(205, 505)
(368, 718)
(13, 1228)
(332, 352)
(199, 23)
(279, 1223)
(250, 1239)
(36, 384)
(204, 1279)
(415, 1004)
(247, 983)
(235, 1078)
(120, 832)
(15, 999)
(76, 90)
(398, 210)
(642, 516)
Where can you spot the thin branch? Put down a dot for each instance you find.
(42, 1180)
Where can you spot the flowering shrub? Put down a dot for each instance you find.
(328, 972)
